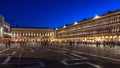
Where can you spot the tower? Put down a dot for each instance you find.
(1, 26)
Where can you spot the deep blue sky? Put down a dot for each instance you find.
(52, 13)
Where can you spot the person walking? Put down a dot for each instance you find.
(70, 43)
(97, 43)
(9, 44)
(104, 43)
(5, 44)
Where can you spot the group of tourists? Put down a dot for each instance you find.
(97, 43)
(69, 42)
(7, 44)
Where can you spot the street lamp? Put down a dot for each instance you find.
(96, 17)
(75, 23)
(64, 26)
(56, 29)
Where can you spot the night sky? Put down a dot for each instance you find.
(53, 13)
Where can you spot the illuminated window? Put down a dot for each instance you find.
(20, 34)
(29, 34)
(40, 34)
(23, 34)
(34, 34)
(17, 34)
(26, 34)
(37, 34)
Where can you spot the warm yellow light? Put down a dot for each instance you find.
(102, 36)
(17, 34)
(115, 36)
(106, 37)
(110, 36)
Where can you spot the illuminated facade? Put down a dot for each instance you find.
(32, 34)
(100, 28)
(5, 32)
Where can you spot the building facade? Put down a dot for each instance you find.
(99, 28)
(32, 34)
(5, 32)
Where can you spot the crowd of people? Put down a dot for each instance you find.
(8, 44)
(97, 43)
(70, 43)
